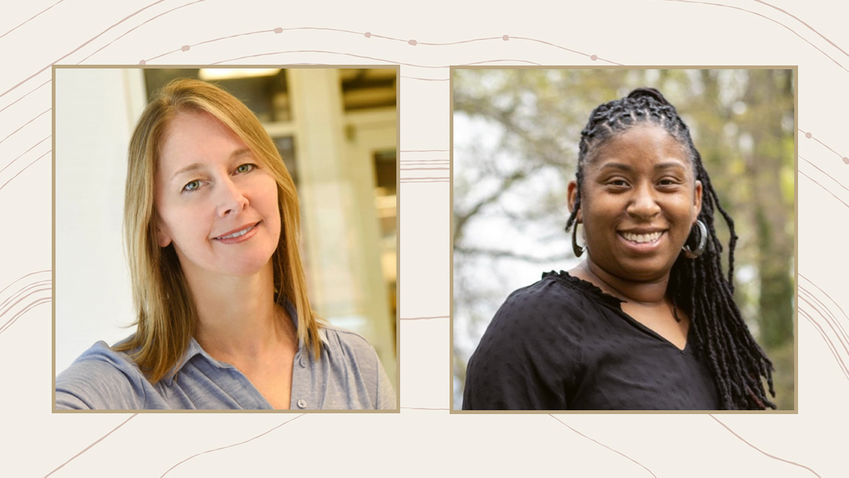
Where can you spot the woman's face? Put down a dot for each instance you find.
(639, 201)
(214, 201)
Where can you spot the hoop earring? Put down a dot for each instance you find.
(700, 249)
(576, 249)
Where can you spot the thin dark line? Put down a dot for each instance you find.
(758, 449)
(30, 18)
(88, 447)
(602, 444)
(228, 446)
(819, 289)
(79, 47)
(444, 168)
(766, 18)
(22, 170)
(824, 172)
(136, 28)
(25, 95)
(32, 305)
(804, 23)
(820, 142)
(22, 154)
(825, 337)
(21, 278)
(424, 79)
(426, 318)
(827, 190)
(566, 49)
(24, 125)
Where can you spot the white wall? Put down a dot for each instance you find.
(95, 111)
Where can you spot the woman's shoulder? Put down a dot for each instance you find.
(101, 378)
(557, 295)
(342, 342)
(353, 357)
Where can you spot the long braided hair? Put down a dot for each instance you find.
(698, 285)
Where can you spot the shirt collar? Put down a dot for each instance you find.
(194, 347)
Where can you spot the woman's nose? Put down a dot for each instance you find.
(643, 203)
(231, 198)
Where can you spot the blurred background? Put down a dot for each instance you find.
(336, 130)
(515, 145)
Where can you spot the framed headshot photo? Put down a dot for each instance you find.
(225, 238)
(624, 239)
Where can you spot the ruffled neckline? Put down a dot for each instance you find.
(587, 287)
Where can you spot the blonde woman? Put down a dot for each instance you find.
(224, 322)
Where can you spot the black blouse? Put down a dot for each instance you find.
(562, 344)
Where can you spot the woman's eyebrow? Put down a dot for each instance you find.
(186, 169)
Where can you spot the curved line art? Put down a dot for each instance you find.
(803, 23)
(824, 188)
(831, 319)
(26, 309)
(770, 19)
(24, 125)
(25, 95)
(24, 169)
(824, 172)
(758, 449)
(810, 135)
(425, 317)
(353, 55)
(26, 288)
(410, 42)
(229, 446)
(831, 346)
(591, 57)
(25, 152)
(828, 343)
(424, 79)
(24, 277)
(79, 47)
(189, 46)
(605, 446)
(136, 28)
(826, 294)
(30, 18)
(93, 444)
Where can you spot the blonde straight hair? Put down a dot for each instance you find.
(166, 314)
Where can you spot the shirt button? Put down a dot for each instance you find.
(302, 403)
(301, 362)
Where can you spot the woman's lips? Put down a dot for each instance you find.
(238, 235)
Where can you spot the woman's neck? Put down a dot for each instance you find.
(642, 292)
(237, 316)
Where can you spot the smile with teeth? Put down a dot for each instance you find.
(238, 233)
(642, 238)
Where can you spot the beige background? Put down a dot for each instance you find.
(425, 38)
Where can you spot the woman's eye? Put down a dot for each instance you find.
(245, 168)
(191, 186)
(617, 182)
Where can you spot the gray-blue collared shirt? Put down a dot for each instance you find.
(348, 375)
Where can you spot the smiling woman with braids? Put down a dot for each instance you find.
(648, 319)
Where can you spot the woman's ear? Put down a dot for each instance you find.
(572, 195)
(162, 236)
(697, 200)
